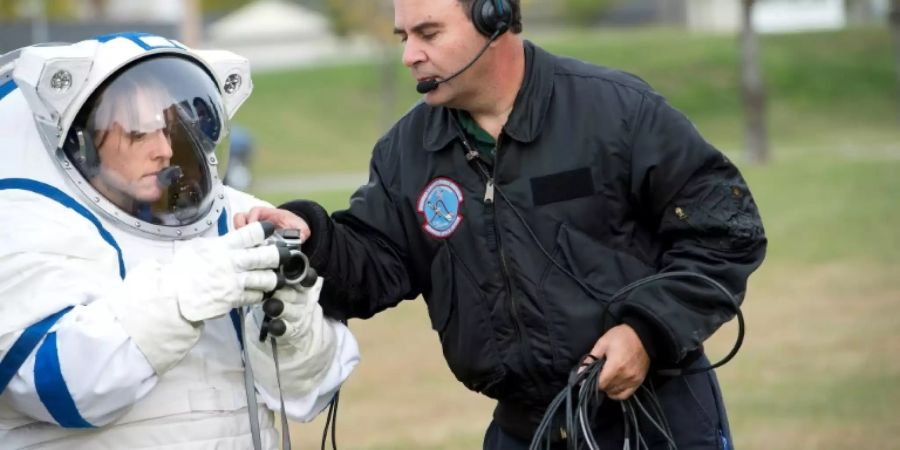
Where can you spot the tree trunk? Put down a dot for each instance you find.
(895, 32)
(859, 12)
(753, 90)
(191, 27)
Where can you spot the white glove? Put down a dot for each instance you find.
(162, 306)
(215, 275)
(305, 350)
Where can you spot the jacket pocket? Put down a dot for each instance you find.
(602, 268)
(440, 300)
(577, 295)
(459, 314)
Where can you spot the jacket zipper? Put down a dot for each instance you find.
(513, 308)
(498, 243)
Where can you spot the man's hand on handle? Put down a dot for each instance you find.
(282, 219)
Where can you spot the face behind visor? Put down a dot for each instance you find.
(146, 140)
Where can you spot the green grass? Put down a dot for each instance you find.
(821, 210)
(818, 367)
(331, 200)
(327, 119)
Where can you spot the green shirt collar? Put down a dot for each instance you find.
(484, 142)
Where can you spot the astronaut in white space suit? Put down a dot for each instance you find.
(124, 291)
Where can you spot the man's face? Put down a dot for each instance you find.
(132, 154)
(438, 40)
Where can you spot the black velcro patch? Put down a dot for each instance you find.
(562, 186)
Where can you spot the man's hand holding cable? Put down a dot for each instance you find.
(626, 363)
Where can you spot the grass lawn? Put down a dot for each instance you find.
(819, 367)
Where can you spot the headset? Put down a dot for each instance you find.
(79, 146)
(491, 16)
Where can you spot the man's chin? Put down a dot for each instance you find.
(437, 98)
(431, 99)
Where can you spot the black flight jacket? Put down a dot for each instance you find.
(594, 168)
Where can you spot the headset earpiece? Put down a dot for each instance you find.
(491, 16)
(80, 149)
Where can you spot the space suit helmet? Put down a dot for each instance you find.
(140, 125)
(146, 140)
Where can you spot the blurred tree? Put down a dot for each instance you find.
(219, 6)
(374, 18)
(25, 9)
(756, 139)
(8, 9)
(586, 12)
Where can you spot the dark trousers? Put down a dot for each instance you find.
(496, 439)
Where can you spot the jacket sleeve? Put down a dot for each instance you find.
(702, 211)
(361, 252)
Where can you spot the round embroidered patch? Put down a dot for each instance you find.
(439, 204)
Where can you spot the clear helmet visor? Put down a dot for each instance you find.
(148, 140)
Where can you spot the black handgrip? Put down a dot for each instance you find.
(273, 307)
(277, 327)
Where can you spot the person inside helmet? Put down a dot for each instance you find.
(133, 155)
(146, 146)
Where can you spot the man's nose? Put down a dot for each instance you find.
(412, 53)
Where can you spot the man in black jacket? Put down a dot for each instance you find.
(517, 198)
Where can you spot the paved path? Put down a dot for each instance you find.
(310, 183)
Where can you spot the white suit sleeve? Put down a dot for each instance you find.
(85, 371)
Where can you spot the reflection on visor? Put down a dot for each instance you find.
(201, 121)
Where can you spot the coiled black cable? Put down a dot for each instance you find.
(579, 415)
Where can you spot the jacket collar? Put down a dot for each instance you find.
(527, 117)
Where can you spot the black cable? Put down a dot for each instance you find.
(327, 423)
(337, 398)
(331, 417)
(653, 421)
(328, 420)
(739, 340)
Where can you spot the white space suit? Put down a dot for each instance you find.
(99, 347)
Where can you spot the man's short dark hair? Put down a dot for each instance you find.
(515, 24)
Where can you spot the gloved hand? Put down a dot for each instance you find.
(305, 349)
(162, 307)
(214, 275)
